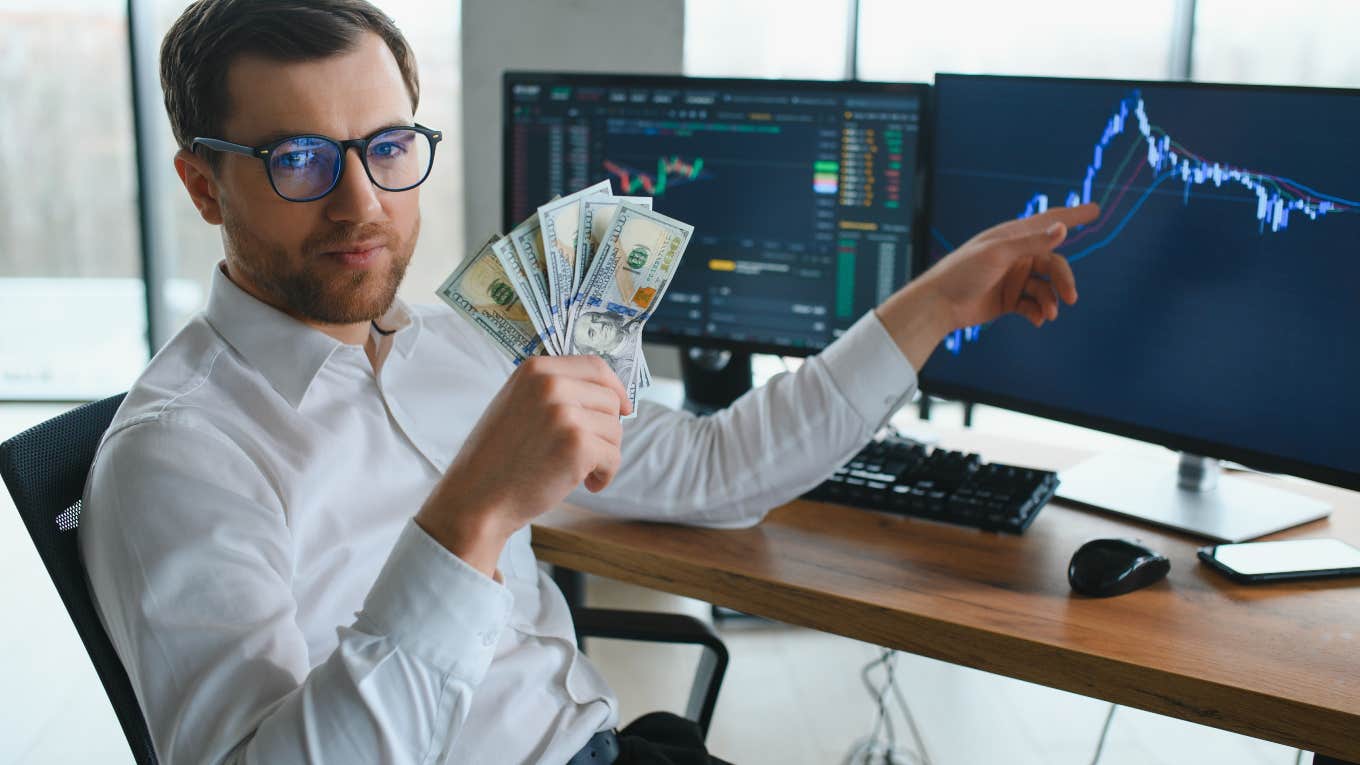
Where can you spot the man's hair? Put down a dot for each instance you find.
(211, 34)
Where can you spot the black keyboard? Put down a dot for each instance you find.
(898, 475)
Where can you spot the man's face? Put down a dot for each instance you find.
(338, 259)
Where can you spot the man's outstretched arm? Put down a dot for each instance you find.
(782, 439)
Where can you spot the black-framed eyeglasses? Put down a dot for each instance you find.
(304, 168)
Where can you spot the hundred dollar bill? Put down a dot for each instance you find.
(480, 290)
(643, 374)
(626, 281)
(514, 270)
(558, 220)
(528, 246)
(596, 215)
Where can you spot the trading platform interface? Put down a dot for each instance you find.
(1218, 288)
(801, 194)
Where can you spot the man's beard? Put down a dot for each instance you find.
(300, 289)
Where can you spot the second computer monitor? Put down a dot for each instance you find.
(801, 194)
(1219, 306)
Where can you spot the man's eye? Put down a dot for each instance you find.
(296, 160)
(387, 150)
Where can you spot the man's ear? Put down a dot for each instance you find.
(201, 183)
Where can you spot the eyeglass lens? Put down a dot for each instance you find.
(307, 167)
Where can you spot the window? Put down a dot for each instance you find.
(71, 296)
(433, 29)
(1308, 42)
(912, 40)
(792, 39)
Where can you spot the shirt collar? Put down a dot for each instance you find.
(287, 352)
(403, 324)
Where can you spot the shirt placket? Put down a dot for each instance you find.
(387, 382)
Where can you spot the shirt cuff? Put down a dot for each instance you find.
(870, 371)
(436, 606)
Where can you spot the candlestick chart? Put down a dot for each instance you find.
(671, 171)
(1150, 160)
(1222, 271)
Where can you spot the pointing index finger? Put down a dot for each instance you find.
(1068, 216)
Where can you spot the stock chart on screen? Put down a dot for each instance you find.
(801, 194)
(1220, 286)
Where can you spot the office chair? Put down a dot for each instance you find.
(45, 469)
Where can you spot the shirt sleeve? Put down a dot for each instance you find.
(190, 562)
(729, 469)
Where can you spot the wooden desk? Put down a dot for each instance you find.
(1279, 662)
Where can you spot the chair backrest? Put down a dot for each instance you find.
(45, 468)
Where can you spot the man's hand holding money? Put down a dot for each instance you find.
(552, 427)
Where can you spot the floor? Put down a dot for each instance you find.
(792, 696)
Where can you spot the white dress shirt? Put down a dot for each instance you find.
(247, 532)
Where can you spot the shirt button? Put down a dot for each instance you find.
(488, 639)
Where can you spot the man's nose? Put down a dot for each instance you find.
(354, 198)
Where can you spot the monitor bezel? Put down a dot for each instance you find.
(1254, 458)
(920, 90)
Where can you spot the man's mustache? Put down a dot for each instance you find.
(340, 239)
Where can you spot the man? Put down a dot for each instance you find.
(307, 529)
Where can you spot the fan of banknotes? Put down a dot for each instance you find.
(581, 276)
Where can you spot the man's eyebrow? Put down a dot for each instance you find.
(390, 125)
(279, 135)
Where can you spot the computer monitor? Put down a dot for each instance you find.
(802, 196)
(1219, 310)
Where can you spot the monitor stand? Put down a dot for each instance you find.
(1195, 499)
(713, 378)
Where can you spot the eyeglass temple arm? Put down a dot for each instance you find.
(435, 135)
(235, 148)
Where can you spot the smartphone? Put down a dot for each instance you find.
(1290, 559)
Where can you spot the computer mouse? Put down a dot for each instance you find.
(1104, 567)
